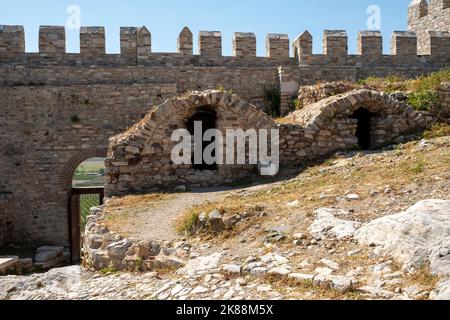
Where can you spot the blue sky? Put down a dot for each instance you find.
(166, 18)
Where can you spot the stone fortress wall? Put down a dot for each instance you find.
(58, 108)
(425, 17)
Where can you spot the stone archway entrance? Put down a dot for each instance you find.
(208, 119)
(74, 196)
(363, 129)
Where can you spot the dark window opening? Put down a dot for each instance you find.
(208, 118)
(363, 129)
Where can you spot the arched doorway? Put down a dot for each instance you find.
(363, 129)
(208, 119)
(82, 179)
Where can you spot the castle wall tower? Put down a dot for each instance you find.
(424, 17)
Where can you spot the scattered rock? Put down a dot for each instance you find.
(324, 271)
(215, 221)
(180, 189)
(376, 292)
(353, 197)
(327, 225)
(354, 252)
(280, 272)
(8, 262)
(202, 264)
(330, 263)
(339, 283)
(258, 271)
(233, 269)
(200, 290)
(46, 255)
(301, 277)
(293, 204)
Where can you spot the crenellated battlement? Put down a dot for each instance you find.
(370, 49)
(136, 49)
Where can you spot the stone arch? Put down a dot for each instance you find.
(140, 157)
(330, 125)
(66, 174)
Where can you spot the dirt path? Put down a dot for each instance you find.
(158, 222)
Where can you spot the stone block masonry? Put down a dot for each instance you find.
(92, 42)
(425, 16)
(244, 44)
(52, 40)
(6, 217)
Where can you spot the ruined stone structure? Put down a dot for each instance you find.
(429, 20)
(140, 159)
(59, 109)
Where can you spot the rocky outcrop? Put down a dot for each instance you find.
(417, 237)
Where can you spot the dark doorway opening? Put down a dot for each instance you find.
(208, 119)
(363, 129)
(77, 220)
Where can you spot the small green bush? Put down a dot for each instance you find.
(188, 224)
(430, 82)
(423, 100)
(297, 104)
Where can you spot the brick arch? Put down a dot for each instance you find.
(66, 174)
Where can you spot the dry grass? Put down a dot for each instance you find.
(137, 200)
(298, 289)
(437, 130)
(361, 175)
(424, 279)
(121, 210)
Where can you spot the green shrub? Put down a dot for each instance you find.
(423, 100)
(188, 223)
(297, 104)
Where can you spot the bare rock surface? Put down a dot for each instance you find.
(419, 235)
